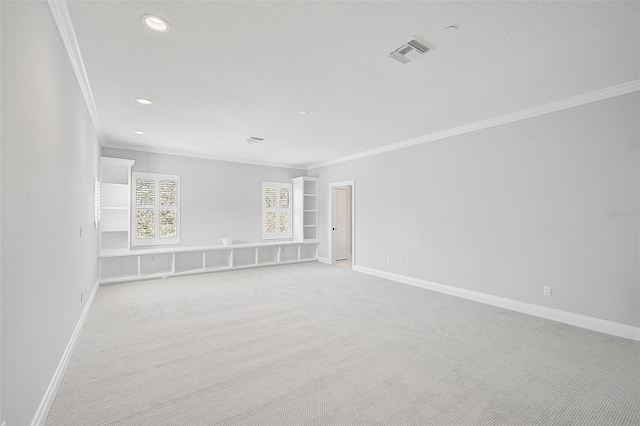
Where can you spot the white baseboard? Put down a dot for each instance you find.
(591, 323)
(325, 260)
(49, 396)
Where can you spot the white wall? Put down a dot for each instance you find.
(1, 418)
(507, 210)
(49, 162)
(218, 199)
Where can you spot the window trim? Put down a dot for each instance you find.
(156, 241)
(278, 235)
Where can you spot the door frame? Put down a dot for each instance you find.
(352, 184)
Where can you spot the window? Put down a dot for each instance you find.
(156, 209)
(276, 210)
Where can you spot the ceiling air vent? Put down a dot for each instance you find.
(410, 51)
(253, 139)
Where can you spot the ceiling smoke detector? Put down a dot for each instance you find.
(253, 140)
(410, 51)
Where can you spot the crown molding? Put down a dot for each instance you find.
(598, 95)
(68, 36)
(181, 153)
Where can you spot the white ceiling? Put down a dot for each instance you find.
(230, 70)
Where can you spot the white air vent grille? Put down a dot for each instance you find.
(253, 139)
(407, 52)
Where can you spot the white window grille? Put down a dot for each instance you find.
(156, 209)
(276, 210)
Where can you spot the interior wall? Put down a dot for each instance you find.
(49, 163)
(1, 418)
(509, 209)
(218, 199)
(349, 221)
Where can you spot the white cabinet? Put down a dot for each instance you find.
(118, 263)
(115, 203)
(166, 262)
(305, 208)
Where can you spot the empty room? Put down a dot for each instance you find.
(319, 213)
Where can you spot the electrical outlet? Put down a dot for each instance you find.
(546, 291)
(388, 262)
(400, 264)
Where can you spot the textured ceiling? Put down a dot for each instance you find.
(230, 70)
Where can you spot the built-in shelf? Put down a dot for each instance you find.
(118, 263)
(132, 265)
(305, 208)
(115, 203)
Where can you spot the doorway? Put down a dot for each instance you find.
(342, 224)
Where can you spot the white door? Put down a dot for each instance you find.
(340, 200)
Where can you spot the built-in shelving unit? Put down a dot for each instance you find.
(115, 203)
(305, 208)
(132, 265)
(118, 263)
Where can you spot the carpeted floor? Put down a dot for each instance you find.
(313, 344)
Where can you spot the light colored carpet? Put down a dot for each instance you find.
(313, 344)
(343, 263)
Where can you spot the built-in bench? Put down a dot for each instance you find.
(131, 265)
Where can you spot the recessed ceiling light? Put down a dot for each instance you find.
(302, 112)
(155, 23)
(138, 132)
(144, 101)
(451, 29)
